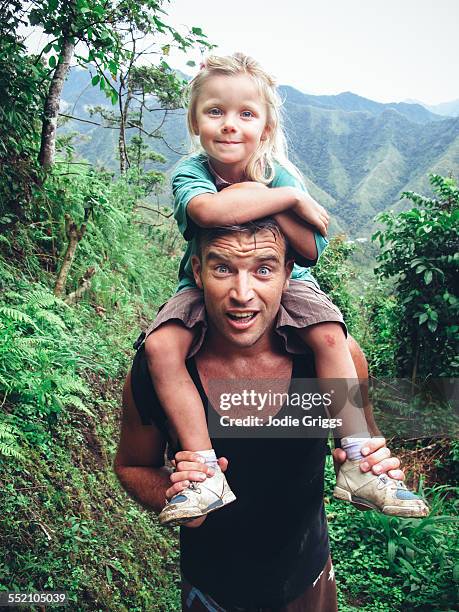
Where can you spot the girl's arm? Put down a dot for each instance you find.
(244, 202)
(300, 236)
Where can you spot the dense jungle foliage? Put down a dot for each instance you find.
(86, 258)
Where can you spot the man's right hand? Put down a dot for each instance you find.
(311, 211)
(190, 467)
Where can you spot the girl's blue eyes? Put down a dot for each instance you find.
(216, 112)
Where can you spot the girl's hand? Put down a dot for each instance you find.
(311, 212)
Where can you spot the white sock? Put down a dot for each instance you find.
(209, 457)
(353, 444)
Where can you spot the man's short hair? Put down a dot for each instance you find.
(206, 235)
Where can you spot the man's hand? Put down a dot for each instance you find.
(190, 467)
(377, 458)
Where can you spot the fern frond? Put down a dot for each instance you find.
(30, 342)
(6, 432)
(50, 317)
(70, 384)
(41, 298)
(74, 400)
(17, 315)
(8, 443)
(10, 451)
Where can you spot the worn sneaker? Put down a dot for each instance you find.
(382, 493)
(198, 499)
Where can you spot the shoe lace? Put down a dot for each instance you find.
(194, 487)
(386, 481)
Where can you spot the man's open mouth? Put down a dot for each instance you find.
(241, 319)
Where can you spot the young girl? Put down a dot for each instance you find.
(234, 109)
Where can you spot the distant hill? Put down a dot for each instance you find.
(357, 155)
(350, 102)
(446, 109)
(451, 109)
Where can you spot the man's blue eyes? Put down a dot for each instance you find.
(265, 270)
(262, 271)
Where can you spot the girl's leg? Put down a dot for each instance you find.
(166, 350)
(361, 367)
(334, 361)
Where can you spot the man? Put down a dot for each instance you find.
(269, 550)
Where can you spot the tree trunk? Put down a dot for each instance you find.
(74, 234)
(124, 110)
(51, 110)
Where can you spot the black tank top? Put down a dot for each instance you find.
(266, 548)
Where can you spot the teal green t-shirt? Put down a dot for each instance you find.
(191, 178)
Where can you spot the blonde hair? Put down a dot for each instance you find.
(260, 166)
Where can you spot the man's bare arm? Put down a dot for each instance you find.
(139, 461)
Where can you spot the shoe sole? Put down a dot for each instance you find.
(179, 518)
(344, 495)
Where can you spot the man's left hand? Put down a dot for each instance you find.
(377, 458)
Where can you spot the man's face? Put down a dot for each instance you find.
(243, 277)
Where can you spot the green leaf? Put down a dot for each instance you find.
(423, 318)
(391, 550)
(52, 61)
(191, 63)
(428, 277)
(95, 79)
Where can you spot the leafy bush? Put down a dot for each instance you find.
(420, 253)
(335, 276)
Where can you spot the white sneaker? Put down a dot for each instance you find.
(198, 499)
(382, 493)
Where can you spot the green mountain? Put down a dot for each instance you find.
(350, 102)
(357, 155)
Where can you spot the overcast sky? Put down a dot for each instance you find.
(386, 50)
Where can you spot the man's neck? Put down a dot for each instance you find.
(265, 359)
(268, 344)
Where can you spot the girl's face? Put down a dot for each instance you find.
(230, 120)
